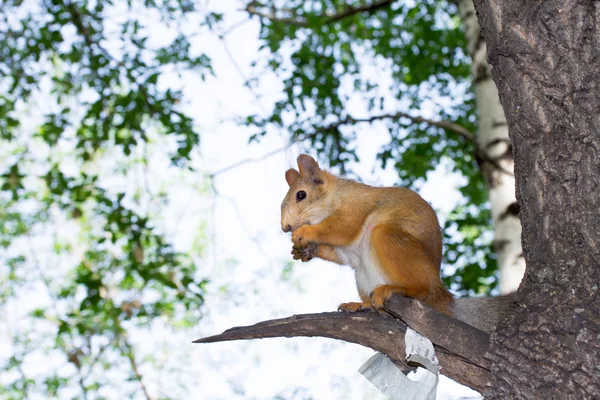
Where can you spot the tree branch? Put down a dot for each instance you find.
(326, 19)
(135, 369)
(249, 160)
(459, 347)
(130, 353)
(357, 10)
(480, 154)
(451, 126)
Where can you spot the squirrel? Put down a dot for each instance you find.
(390, 236)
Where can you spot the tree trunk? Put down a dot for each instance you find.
(497, 165)
(546, 58)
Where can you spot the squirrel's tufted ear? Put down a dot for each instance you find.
(291, 175)
(309, 169)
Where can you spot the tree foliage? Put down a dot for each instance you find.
(83, 85)
(404, 64)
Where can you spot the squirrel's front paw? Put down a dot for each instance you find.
(305, 254)
(302, 236)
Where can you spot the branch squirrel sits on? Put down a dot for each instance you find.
(390, 236)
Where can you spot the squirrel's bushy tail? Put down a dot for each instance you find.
(483, 312)
(440, 298)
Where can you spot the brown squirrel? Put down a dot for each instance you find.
(390, 236)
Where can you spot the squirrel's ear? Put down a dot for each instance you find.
(291, 175)
(309, 169)
(307, 165)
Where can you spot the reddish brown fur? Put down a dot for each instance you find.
(405, 236)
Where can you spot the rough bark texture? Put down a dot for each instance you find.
(497, 165)
(546, 59)
(459, 347)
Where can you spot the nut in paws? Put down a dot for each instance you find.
(306, 253)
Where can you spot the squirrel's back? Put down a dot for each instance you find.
(398, 240)
(396, 205)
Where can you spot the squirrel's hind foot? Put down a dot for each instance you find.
(355, 307)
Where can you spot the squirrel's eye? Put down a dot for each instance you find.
(301, 195)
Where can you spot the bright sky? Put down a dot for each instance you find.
(247, 260)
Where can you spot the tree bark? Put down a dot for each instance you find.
(546, 64)
(494, 143)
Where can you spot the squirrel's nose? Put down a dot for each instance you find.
(286, 228)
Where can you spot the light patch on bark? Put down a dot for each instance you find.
(493, 140)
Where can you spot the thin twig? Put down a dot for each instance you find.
(250, 160)
(326, 19)
(240, 217)
(357, 10)
(233, 27)
(82, 386)
(134, 367)
(131, 356)
(451, 126)
(246, 81)
(73, 357)
(448, 125)
(238, 164)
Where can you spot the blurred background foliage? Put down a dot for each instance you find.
(405, 63)
(84, 106)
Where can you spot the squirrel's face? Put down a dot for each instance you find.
(306, 200)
